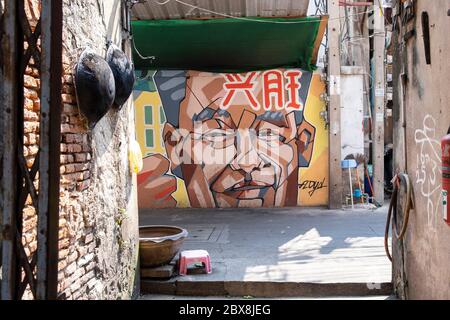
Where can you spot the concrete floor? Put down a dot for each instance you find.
(284, 246)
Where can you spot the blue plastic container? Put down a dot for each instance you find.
(351, 163)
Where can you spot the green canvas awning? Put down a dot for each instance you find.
(228, 45)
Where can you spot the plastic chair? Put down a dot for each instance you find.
(192, 256)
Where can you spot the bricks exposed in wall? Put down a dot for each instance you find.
(75, 145)
(93, 261)
(76, 241)
(75, 180)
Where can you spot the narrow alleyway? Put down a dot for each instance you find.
(143, 142)
(280, 252)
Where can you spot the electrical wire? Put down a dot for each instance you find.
(360, 38)
(139, 54)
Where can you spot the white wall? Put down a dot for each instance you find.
(352, 103)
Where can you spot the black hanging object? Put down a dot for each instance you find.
(426, 36)
(123, 72)
(95, 88)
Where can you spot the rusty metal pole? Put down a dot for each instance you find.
(49, 156)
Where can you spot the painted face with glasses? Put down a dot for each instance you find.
(236, 140)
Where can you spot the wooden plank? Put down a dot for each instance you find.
(9, 109)
(378, 115)
(334, 109)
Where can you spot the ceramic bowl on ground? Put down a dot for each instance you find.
(158, 245)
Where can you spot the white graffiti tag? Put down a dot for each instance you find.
(429, 167)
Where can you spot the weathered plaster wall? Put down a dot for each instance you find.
(107, 210)
(427, 252)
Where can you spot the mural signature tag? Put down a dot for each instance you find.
(312, 186)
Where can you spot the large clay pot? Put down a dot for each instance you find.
(158, 245)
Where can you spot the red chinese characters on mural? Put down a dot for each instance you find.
(280, 89)
(235, 84)
(293, 86)
(273, 90)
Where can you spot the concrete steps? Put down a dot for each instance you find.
(296, 252)
(262, 289)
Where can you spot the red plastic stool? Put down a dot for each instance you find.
(192, 256)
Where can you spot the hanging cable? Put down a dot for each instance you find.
(139, 54)
(408, 204)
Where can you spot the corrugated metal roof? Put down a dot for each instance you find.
(172, 9)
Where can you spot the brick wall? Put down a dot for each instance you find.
(98, 215)
(77, 261)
